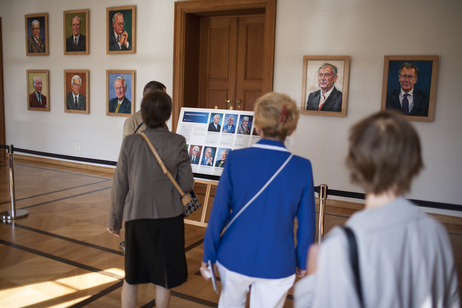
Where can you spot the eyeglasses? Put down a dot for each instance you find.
(404, 77)
(75, 25)
(120, 23)
(119, 88)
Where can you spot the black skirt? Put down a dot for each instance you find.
(154, 252)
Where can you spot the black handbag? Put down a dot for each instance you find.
(189, 201)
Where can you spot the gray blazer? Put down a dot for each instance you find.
(140, 190)
(81, 104)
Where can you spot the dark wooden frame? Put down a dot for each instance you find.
(187, 11)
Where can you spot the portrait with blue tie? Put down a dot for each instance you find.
(409, 84)
(230, 126)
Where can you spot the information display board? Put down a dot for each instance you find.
(212, 133)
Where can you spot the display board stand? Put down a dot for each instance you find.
(209, 185)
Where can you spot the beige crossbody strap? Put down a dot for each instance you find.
(162, 165)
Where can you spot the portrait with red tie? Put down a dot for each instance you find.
(325, 85)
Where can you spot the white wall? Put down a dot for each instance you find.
(363, 29)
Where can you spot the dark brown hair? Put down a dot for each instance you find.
(156, 108)
(152, 86)
(276, 115)
(384, 153)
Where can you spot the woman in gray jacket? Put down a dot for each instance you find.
(405, 256)
(145, 198)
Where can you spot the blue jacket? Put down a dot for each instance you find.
(260, 242)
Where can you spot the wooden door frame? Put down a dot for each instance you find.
(183, 9)
(2, 101)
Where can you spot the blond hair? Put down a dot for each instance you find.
(276, 115)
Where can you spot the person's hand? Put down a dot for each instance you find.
(312, 259)
(209, 161)
(204, 270)
(114, 232)
(124, 38)
(300, 273)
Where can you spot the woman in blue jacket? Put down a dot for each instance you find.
(261, 191)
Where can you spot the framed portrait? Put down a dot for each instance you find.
(120, 93)
(38, 90)
(76, 91)
(121, 31)
(36, 29)
(409, 85)
(76, 29)
(325, 85)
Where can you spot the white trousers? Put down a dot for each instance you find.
(265, 293)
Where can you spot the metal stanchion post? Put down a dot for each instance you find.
(322, 208)
(14, 213)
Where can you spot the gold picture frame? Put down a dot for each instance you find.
(423, 85)
(335, 104)
(81, 44)
(38, 90)
(113, 90)
(77, 98)
(36, 30)
(127, 30)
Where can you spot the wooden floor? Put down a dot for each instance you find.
(62, 256)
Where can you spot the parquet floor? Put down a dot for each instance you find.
(62, 256)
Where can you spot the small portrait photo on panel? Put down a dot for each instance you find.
(38, 90)
(222, 154)
(209, 154)
(325, 85)
(195, 153)
(120, 93)
(215, 122)
(229, 124)
(76, 32)
(121, 23)
(409, 86)
(245, 123)
(36, 28)
(76, 91)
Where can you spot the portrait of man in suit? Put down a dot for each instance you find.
(328, 97)
(207, 159)
(36, 98)
(222, 161)
(118, 37)
(244, 127)
(407, 99)
(215, 126)
(230, 128)
(195, 155)
(120, 103)
(35, 42)
(77, 41)
(75, 100)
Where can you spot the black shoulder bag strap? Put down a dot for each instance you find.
(138, 127)
(353, 249)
